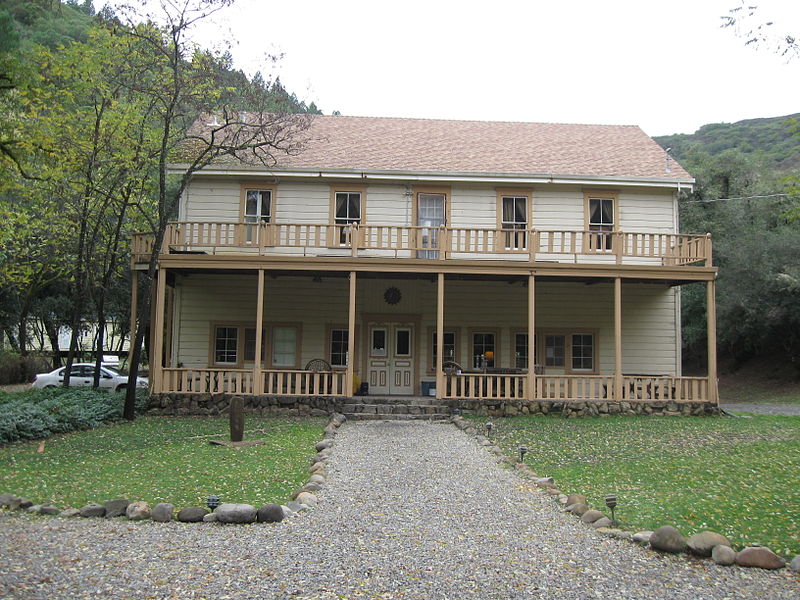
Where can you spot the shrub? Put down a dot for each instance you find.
(21, 369)
(39, 413)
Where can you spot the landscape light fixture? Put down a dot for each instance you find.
(611, 502)
(212, 502)
(489, 427)
(523, 450)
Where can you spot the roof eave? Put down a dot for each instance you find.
(439, 176)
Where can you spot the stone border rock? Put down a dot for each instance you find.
(666, 539)
(302, 499)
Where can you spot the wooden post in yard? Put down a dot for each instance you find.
(237, 418)
(157, 358)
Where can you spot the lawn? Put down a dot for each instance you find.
(164, 459)
(736, 476)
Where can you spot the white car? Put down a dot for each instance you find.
(83, 375)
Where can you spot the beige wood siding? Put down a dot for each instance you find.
(650, 335)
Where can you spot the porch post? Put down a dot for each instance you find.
(711, 334)
(258, 377)
(531, 382)
(157, 359)
(618, 339)
(351, 338)
(134, 309)
(440, 391)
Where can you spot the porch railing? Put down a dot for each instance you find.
(430, 242)
(242, 381)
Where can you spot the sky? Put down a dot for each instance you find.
(666, 66)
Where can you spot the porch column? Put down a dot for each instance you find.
(531, 381)
(258, 376)
(134, 309)
(711, 334)
(351, 338)
(618, 339)
(157, 358)
(440, 384)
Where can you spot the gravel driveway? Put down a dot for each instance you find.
(791, 410)
(411, 510)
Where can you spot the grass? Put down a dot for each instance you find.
(738, 477)
(164, 459)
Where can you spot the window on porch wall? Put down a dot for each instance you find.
(226, 342)
(483, 350)
(582, 352)
(284, 347)
(250, 344)
(514, 217)
(522, 349)
(338, 347)
(554, 350)
(348, 211)
(449, 348)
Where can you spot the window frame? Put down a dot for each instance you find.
(335, 240)
(613, 196)
(502, 194)
(534, 347)
(245, 186)
(267, 350)
(471, 346)
(568, 332)
(456, 346)
(329, 345)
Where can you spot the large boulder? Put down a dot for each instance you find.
(723, 555)
(761, 557)
(162, 512)
(591, 515)
(93, 510)
(116, 508)
(138, 511)
(667, 539)
(703, 543)
(270, 513)
(236, 513)
(192, 514)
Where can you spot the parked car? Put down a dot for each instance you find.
(83, 375)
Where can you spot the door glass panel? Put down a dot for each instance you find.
(430, 216)
(403, 342)
(378, 342)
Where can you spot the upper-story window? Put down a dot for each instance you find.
(514, 217)
(601, 217)
(257, 207)
(347, 211)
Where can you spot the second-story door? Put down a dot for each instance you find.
(390, 366)
(430, 216)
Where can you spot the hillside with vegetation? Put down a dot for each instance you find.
(771, 140)
(747, 196)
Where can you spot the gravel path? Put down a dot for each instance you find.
(411, 511)
(792, 410)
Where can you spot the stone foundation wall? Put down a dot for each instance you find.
(512, 408)
(317, 406)
(217, 404)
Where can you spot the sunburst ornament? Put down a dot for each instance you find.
(392, 295)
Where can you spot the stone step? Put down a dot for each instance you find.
(395, 417)
(404, 400)
(394, 409)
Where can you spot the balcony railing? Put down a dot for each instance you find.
(433, 243)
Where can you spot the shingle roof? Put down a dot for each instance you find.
(469, 147)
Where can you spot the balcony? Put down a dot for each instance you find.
(430, 243)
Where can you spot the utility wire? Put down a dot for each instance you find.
(739, 198)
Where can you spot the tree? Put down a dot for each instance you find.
(182, 84)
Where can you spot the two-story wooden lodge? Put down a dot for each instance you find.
(459, 259)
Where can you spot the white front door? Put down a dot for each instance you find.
(391, 358)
